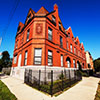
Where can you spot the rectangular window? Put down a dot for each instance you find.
(61, 41)
(50, 60)
(15, 59)
(28, 32)
(71, 48)
(62, 60)
(37, 55)
(74, 63)
(50, 34)
(25, 60)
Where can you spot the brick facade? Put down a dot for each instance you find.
(62, 42)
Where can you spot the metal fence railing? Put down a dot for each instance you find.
(51, 81)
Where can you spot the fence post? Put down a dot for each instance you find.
(62, 80)
(69, 79)
(51, 87)
(39, 78)
(65, 73)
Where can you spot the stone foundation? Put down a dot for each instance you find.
(18, 72)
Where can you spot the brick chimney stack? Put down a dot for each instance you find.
(56, 13)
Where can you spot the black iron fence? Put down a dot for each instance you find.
(51, 81)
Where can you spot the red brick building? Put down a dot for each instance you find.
(43, 41)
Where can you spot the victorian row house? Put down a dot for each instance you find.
(43, 41)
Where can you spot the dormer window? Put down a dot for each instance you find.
(69, 35)
(29, 17)
(53, 18)
(76, 43)
(18, 28)
(59, 25)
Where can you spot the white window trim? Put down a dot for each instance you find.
(37, 56)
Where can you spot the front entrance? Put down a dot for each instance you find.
(19, 61)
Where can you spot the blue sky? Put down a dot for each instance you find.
(82, 15)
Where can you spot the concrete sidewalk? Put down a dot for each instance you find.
(84, 90)
(23, 91)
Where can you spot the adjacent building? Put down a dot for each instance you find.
(89, 60)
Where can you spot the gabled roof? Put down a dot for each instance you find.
(77, 40)
(82, 46)
(69, 30)
(42, 10)
(20, 26)
(30, 12)
(61, 23)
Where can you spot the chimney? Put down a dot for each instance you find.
(56, 15)
(55, 7)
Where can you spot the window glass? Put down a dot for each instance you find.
(37, 56)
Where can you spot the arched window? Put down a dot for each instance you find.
(77, 64)
(74, 63)
(68, 62)
(61, 60)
